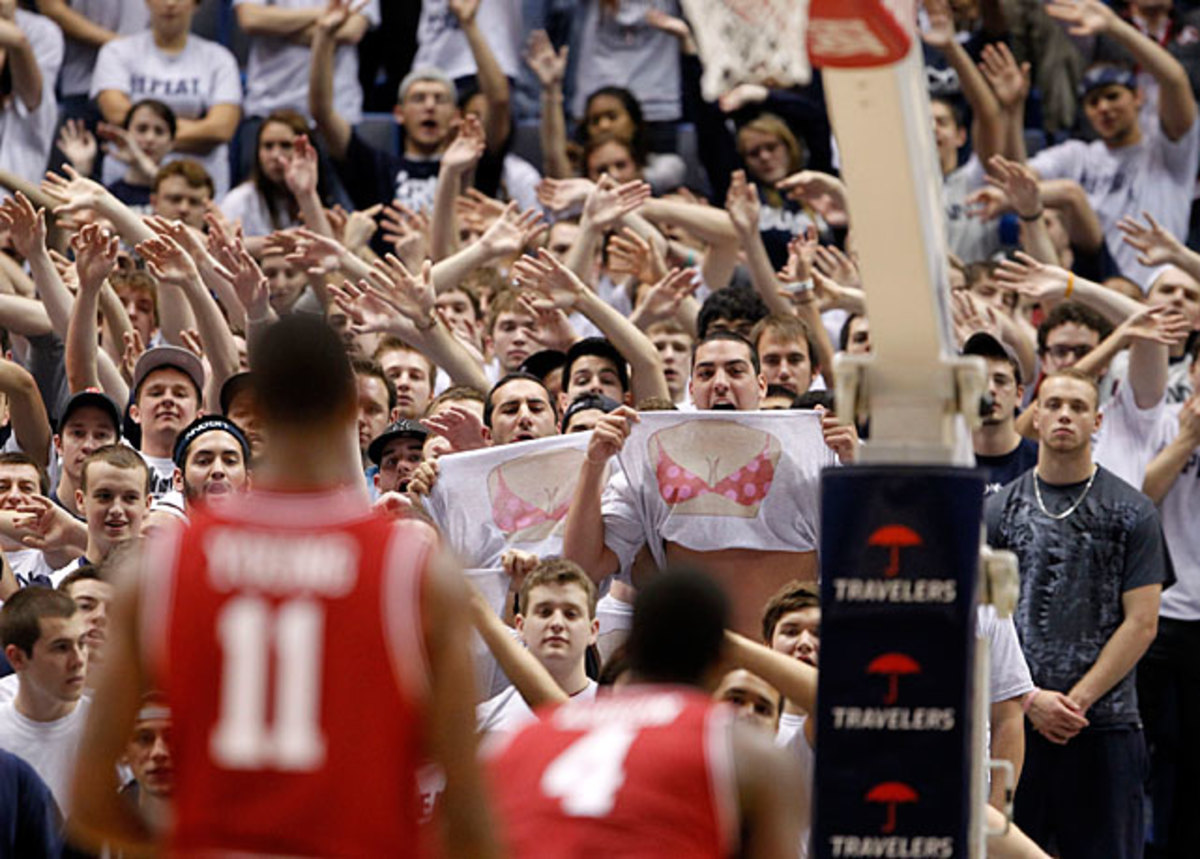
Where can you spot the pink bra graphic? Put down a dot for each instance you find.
(513, 513)
(746, 486)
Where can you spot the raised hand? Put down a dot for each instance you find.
(1029, 277)
(826, 194)
(407, 232)
(1160, 324)
(187, 238)
(841, 438)
(837, 266)
(940, 32)
(629, 253)
(168, 262)
(26, 225)
(802, 250)
(132, 350)
(367, 313)
(467, 148)
(513, 231)
(742, 203)
(549, 278)
(552, 328)
(1083, 17)
(360, 226)
(317, 253)
(987, 203)
(95, 255)
(549, 67)
(302, 170)
(464, 10)
(461, 426)
(76, 192)
(1155, 243)
(78, 145)
(1009, 81)
(559, 195)
(1018, 183)
(609, 202)
(662, 300)
(119, 144)
(248, 281)
(413, 297)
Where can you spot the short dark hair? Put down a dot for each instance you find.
(733, 337)
(1071, 311)
(300, 371)
(489, 406)
(679, 622)
(456, 394)
(161, 110)
(788, 328)
(118, 456)
(558, 571)
(730, 303)
(793, 596)
(80, 574)
(16, 457)
(365, 367)
(844, 334)
(599, 347)
(20, 619)
(191, 171)
(392, 343)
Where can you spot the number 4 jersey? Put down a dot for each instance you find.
(645, 772)
(288, 631)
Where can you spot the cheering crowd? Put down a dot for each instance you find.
(592, 319)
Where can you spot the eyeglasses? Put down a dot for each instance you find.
(1062, 352)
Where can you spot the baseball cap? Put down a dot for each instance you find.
(403, 428)
(988, 346)
(206, 424)
(588, 401)
(92, 397)
(168, 356)
(1104, 75)
(600, 347)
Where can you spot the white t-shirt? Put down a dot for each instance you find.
(1009, 677)
(26, 136)
(49, 747)
(27, 563)
(162, 476)
(123, 18)
(441, 43)
(1155, 175)
(507, 712)
(277, 70)
(790, 736)
(1127, 438)
(190, 82)
(244, 203)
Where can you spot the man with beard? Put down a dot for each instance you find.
(210, 461)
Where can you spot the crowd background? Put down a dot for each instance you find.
(525, 220)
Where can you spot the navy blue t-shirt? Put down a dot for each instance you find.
(373, 176)
(29, 819)
(1007, 467)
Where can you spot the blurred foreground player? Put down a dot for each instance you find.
(657, 768)
(268, 622)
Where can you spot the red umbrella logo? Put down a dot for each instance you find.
(893, 665)
(891, 793)
(894, 538)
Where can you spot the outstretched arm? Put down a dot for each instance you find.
(23, 70)
(332, 126)
(531, 678)
(550, 68)
(492, 81)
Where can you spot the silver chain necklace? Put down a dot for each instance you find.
(1037, 491)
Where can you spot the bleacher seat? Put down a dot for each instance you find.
(380, 131)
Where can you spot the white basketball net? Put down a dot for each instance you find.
(749, 41)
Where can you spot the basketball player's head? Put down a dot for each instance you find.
(302, 379)
(679, 622)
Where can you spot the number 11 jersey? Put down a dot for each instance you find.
(287, 628)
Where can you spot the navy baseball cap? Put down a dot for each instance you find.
(92, 397)
(988, 346)
(1106, 75)
(403, 428)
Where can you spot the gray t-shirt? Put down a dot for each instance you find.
(1074, 572)
(122, 18)
(970, 239)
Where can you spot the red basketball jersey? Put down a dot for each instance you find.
(287, 628)
(643, 773)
